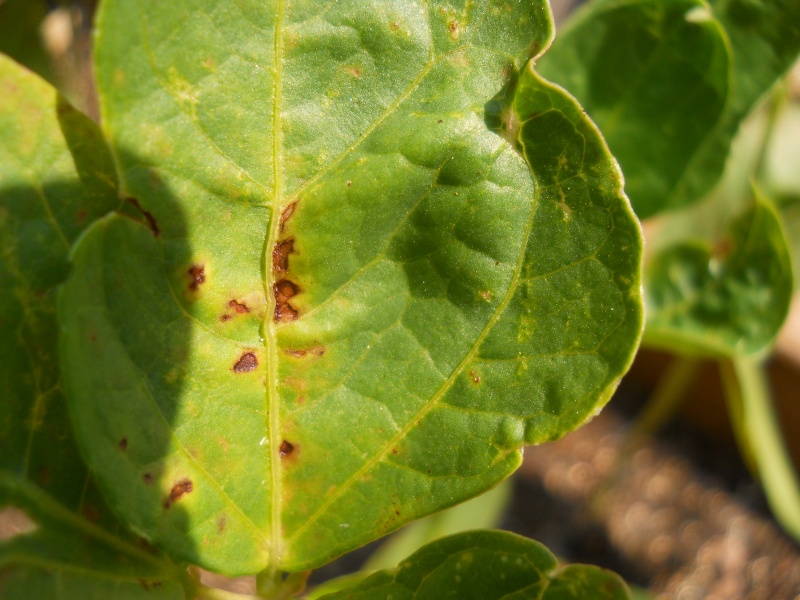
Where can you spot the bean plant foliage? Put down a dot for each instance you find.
(324, 268)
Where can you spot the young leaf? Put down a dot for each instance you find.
(727, 297)
(56, 177)
(486, 565)
(352, 304)
(654, 76)
(669, 82)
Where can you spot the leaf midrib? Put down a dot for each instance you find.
(270, 334)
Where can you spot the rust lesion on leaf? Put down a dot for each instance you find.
(178, 490)
(197, 277)
(239, 307)
(286, 449)
(284, 290)
(287, 213)
(315, 352)
(247, 362)
(280, 255)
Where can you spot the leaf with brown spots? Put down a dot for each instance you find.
(334, 174)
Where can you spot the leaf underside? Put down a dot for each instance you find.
(345, 302)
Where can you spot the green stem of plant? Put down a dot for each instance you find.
(760, 438)
(777, 100)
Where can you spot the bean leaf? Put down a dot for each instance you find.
(350, 302)
(486, 565)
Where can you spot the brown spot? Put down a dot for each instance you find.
(284, 290)
(349, 183)
(287, 214)
(301, 399)
(280, 255)
(248, 362)
(178, 490)
(395, 451)
(397, 512)
(452, 26)
(394, 26)
(239, 307)
(81, 215)
(299, 384)
(286, 448)
(123, 444)
(198, 276)
(300, 353)
(476, 379)
(221, 523)
(353, 71)
(225, 317)
(148, 478)
(151, 220)
(440, 121)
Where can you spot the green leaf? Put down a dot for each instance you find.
(726, 296)
(669, 82)
(486, 565)
(654, 76)
(354, 303)
(66, 556)
(56, 177)
(45, 203)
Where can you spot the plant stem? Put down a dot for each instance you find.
(777, 100)
(760, 438)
